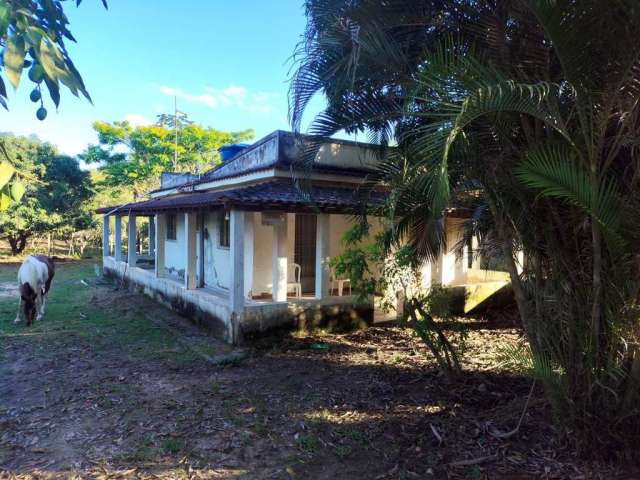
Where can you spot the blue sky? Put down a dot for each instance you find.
(226, 61)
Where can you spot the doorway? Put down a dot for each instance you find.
(305, 250)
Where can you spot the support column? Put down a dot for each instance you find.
(322, 256)
(118, 238)
(437, 265)
(105, 236)
(474, 251)
(236, 250)
(447, 260)
(160, 237)
(131, 241)
(190, 245)
(152, 236)
(436, 270)
(448, 272)
(200, 250)
(279, 262)
(248, 254)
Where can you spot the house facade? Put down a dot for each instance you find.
(246, 247)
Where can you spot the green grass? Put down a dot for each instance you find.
(308, 442)
(172, 445)
(72, 314)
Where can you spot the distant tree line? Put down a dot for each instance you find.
(60, 194)
(57, 193)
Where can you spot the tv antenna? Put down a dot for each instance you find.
(175, 128)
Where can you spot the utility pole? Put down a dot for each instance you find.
(175, 127)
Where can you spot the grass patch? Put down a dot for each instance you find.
(309, 443)
(343, 451)
(172, 445)
(75, 315)
(145, 452)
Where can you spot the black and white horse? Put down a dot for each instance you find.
(34, 279)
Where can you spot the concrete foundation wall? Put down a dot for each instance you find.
(207, 310)
(214, 313)
(335, 315)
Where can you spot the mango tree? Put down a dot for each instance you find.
(32, 38)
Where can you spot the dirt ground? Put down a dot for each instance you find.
(111, 385)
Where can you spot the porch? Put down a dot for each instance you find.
(237, 272)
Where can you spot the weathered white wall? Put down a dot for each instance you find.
(217, 267)
(263, 241)
(262, 244)
(338, 224)
(175, 250)
(346, 156)
(259, 156)
(454, 270)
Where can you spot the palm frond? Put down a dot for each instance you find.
(553, 169)
(508, 97)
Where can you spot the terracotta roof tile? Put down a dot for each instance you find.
(282, 195)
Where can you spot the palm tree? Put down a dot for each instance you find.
(534, 104)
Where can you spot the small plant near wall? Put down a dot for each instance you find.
(376, 267)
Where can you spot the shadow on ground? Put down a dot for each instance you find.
(101, 388)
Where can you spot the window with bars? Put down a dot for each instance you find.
(171, 227)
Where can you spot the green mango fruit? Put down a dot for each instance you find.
(36, 73)
(35, 95)
(41, 113)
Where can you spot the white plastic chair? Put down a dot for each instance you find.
(341, 283)
(295, 285)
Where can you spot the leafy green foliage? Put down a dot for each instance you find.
(56, 197)
(11, 186)
(553, 170)
(136, 156)
(178, 119)
(33, 35)
(354, 262)
(374, 267)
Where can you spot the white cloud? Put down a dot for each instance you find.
(233, 96)
(137, 120)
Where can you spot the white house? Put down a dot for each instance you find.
(243, 248)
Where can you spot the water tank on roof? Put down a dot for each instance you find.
(227, 152)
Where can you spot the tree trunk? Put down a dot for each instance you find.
(13, 243)
(18, 243)
(597, 289)
(506, 244)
